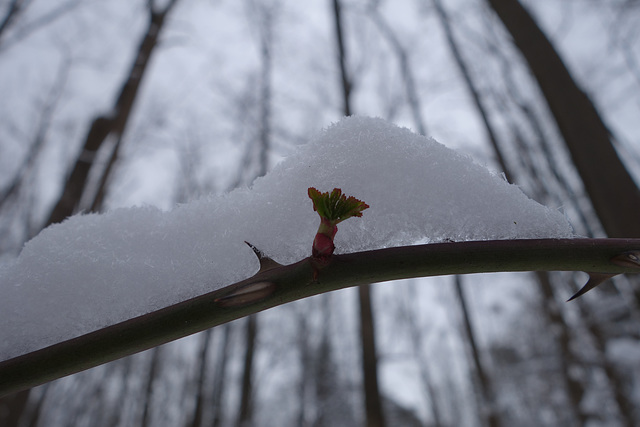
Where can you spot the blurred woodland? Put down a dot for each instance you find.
(158, 102)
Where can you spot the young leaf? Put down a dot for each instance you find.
(333, 208)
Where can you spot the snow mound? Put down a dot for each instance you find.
(95, 270)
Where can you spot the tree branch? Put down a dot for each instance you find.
(276, 284)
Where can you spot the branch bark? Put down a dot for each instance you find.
(276, 284)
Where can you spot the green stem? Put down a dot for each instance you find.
(275, 285)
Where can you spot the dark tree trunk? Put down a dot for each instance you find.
(489, 411)
(619, 382)
(408, 79)
(101, 127)
(219, 383)
(613, 193)
(471, 87)
(417, 337)
(246, 405)
(151, 378)
(324, 373)
(563, 339)
(112, 124)
(12, 407)
(43, 126)
(342, 59)
(14, 9)
(203, 356)
(373, 401)
(265, 27)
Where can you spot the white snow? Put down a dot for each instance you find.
(95, 270)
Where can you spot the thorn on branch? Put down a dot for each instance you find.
(625, 259)
(266, 263)
(594, 280)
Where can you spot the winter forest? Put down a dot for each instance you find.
(166, 103)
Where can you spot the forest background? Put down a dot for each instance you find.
(120, 103)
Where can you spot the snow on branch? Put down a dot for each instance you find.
(96, 270)
(278, 284)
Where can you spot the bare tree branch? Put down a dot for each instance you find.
(30, 27)
(13, 11)
(44, 123)
(410, 88)
(342, 60)
(471, 87)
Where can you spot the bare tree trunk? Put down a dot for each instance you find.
(197, 420)
(101, 127)
(473, 91)
(12, 407)
(330, 391)
(410, 88)
(264, 21)
(101, 191)
(112, 124)
(219, 376)
(35, 409)
(574, 389)
(540, 187)
(612, 191)
(626, 406)
(614, 194)
(246, 402)
(342, 59)
(563, 337)
(266, 42)
(373, 401)
(489, 409)
(44, 123)
(323, 373)
(416, 334)
(153, 373)
(13, 11)
(15, 197)
(116, 416)
(304, 354)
